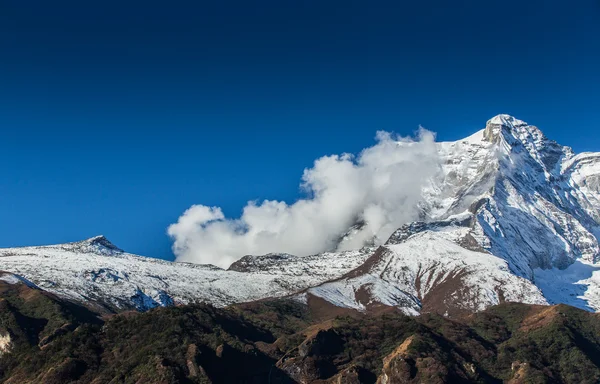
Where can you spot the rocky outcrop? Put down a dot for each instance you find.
(5, 343)
(312, 359)
(397, 367)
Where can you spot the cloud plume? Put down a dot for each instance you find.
(380, 187)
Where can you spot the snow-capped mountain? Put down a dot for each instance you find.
(431, 267)
(509, 216)
(518, 184)
(96, 271)
(528, 206)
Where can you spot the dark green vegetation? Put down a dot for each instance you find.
(46, 340)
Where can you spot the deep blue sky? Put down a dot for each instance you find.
(116, 118)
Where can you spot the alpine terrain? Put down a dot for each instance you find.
(510, 216)
(473, 292)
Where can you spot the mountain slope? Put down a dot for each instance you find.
(428, 271)
(529, 207)
(97, 272)
(281, 341)
(533, 202)
(506, 191)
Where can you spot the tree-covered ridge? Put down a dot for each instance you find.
(47, 340)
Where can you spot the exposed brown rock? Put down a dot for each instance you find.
(311, 360)
(378, 257)
(539, 316)
(447, 293)
(469, 242)
(396, 367)
(322, 309)
(220, 350)
(193, 368)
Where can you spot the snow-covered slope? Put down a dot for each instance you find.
(432, 268)
(510, 215)
(542, 210)
(518, 212)
(530, 209)
(508, 193)
(95, 271)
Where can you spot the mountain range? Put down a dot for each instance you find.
(509, 216)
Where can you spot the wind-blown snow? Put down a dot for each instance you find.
(381, 187)
(533, 203)
(516, 175)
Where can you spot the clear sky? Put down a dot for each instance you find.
(116, 116)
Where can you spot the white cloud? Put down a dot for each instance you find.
(381, 187)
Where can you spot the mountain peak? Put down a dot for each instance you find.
(507, 121)
(511, 129)
(511, 133)
(100, 244)
(96, 239)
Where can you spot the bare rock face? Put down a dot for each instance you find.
(303, 370)
(408, 230)
(397, 367)
(251, 263)
(221, 350)
(400, 368)
(195, 370)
